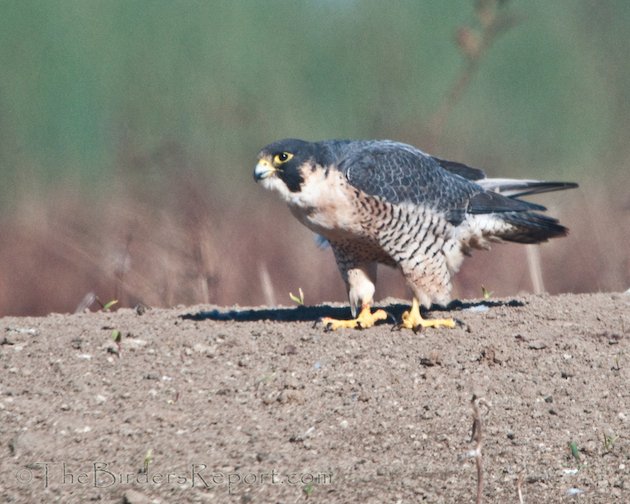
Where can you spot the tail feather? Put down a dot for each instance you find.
(526, 226)
(498, 214)
(515, 188)
(530, 227)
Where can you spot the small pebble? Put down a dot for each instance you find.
(537, 345)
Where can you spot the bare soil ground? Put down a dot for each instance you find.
(205, 404)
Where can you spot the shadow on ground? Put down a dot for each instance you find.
(314, 313)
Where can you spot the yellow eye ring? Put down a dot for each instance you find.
(281, 158)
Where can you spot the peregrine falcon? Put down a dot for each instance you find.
(381, 201)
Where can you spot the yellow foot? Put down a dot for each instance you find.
(413, 320)
(365, 319)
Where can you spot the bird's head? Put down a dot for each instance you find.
(283, 165)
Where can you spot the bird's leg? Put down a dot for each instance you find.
(413, 320)
(364, 320)
(360, 279)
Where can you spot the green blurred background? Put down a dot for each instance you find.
(97, 96)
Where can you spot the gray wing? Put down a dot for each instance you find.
(400, 173)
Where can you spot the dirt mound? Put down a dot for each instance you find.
(205, 404)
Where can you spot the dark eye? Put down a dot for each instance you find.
(282, 157)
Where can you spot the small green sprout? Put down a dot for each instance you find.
(148, 458)
(608, 442)
(486, 293)
(298, 300)
(575, 452)
(117, 337)
(308, 489)
(107, 306)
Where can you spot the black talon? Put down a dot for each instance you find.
(389, 315)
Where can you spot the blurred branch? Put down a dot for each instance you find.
(534, 265)
(473, 43)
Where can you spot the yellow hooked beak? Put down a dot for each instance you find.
(263, 170)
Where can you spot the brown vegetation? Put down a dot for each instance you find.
(192, 244)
